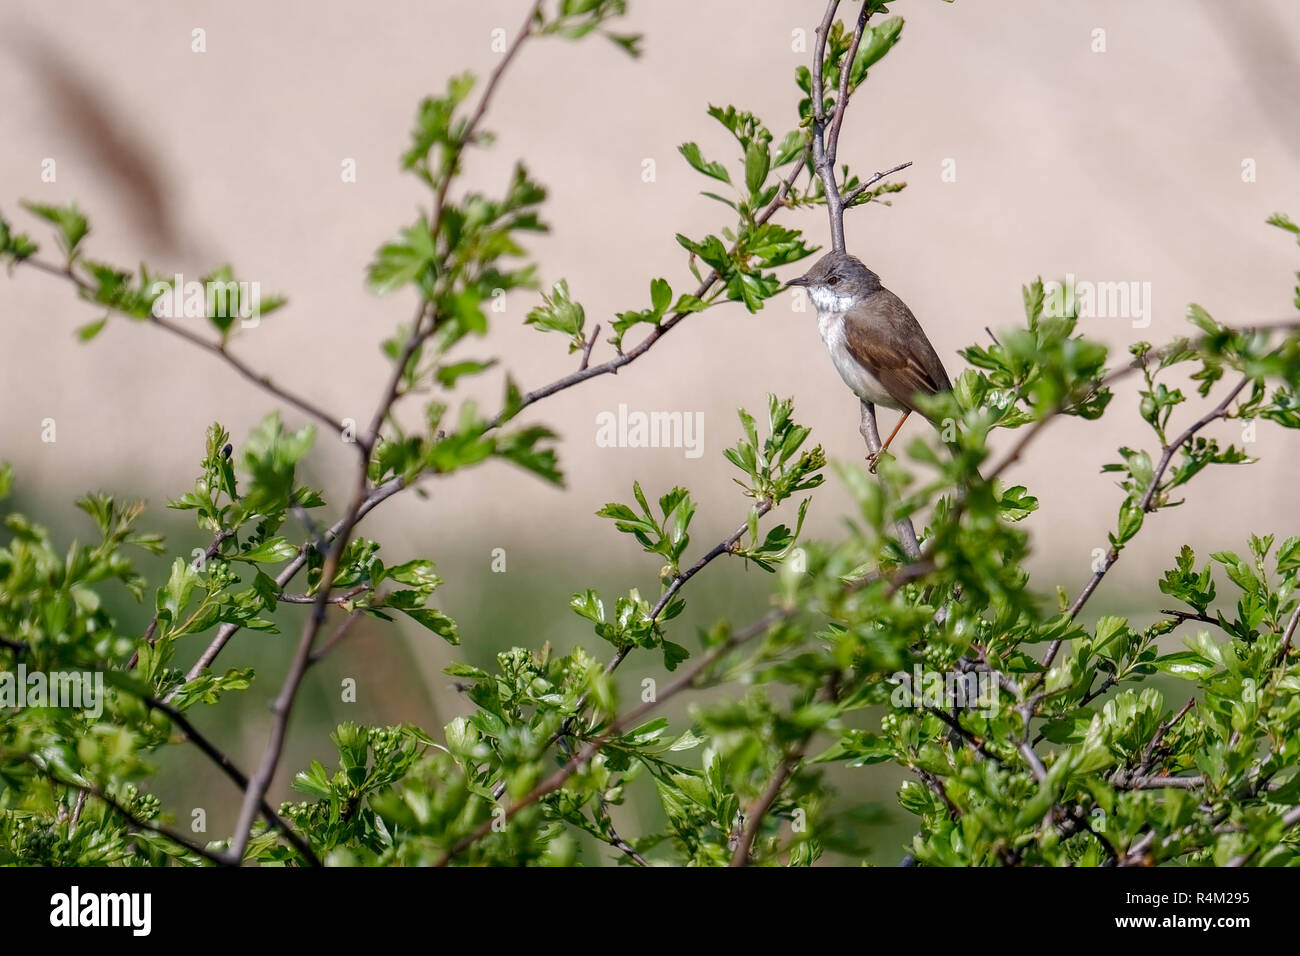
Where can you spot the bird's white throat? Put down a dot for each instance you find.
(825, 299)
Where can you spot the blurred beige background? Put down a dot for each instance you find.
(1116, 166)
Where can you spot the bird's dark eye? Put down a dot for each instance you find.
(832, 280)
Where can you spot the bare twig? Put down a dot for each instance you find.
(851, 196)
(338, 599)
(613, 838)
(334, 639)
(227, 766)
(1159, 782)
(1032, 758)
(586, 349)
(842, 100)
(1190, 616)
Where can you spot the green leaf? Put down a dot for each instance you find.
(403, 260)
(71, 223)
(878, 41)
(697, 160)
(270, 551)
(661, 295)
(1203, 321)
(1130, 519)
(448, 375)
(91, 329)
(758, 160)
(559, 313)
(435, 621)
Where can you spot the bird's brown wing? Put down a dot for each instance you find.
(883, 335)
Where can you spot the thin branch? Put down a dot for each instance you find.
(1032, 758)
(1183, 616)
(1287, 637)
(586, 349)
(842, 100)
(825, 172)
(903, 526)
(335, 638)
(851, 196)
(223, 761)
(613, 838)
(758, 810)
(1159, 783)
(612, 366)
(282, 706)
(216, 348)
(955, 725)
(1149, 753)
(1146, 504)
(725, 546)
(210, 552)
(226, 631)
(338, 599)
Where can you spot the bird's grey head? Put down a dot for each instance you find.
(836, 281)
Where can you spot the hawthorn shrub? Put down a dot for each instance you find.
(1031, 734)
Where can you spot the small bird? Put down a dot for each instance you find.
(875, 342)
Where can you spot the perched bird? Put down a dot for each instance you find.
(875, 342)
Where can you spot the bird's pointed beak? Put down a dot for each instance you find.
(801, 281)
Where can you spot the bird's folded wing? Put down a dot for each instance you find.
(887, 340)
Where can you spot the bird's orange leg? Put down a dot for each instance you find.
(874, 457)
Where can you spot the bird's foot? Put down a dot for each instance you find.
(873, 459)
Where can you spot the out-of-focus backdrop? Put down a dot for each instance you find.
(1112, 141)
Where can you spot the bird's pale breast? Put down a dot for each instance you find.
(865, 385)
